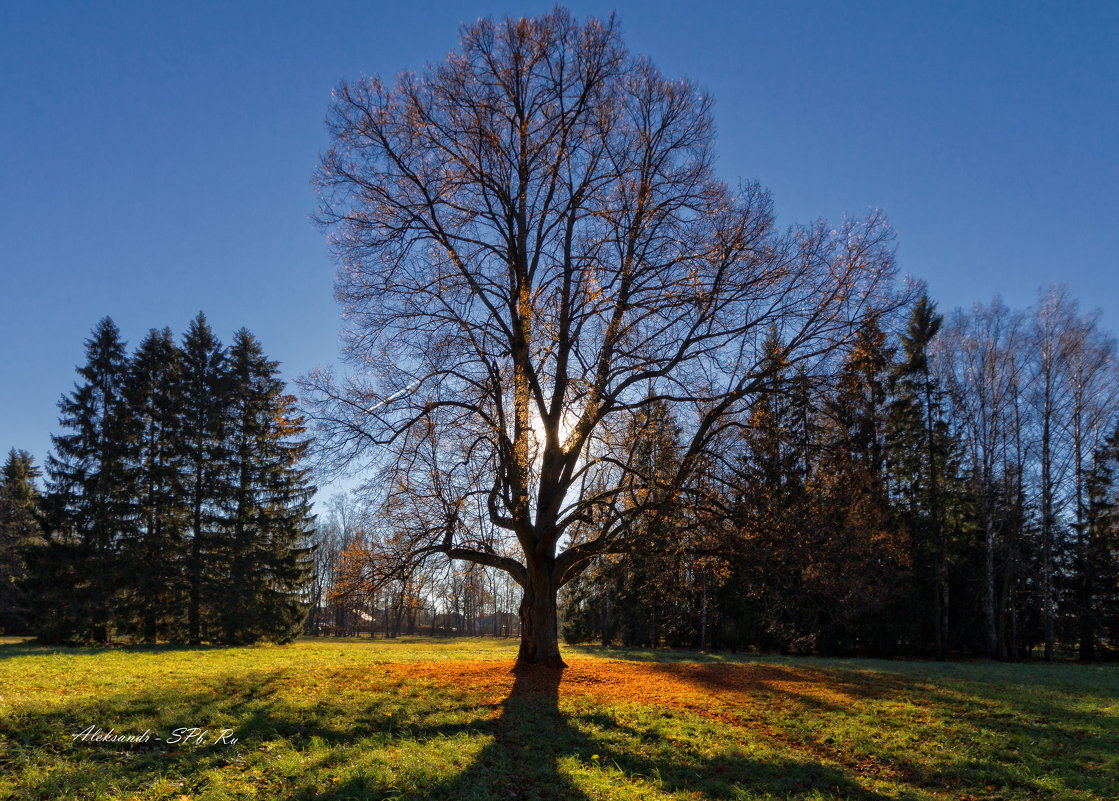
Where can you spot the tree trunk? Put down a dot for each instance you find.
(990, 617)
(703, 618)
(194, 571)
(940, 567)
(539, 619)
(1086, 627)
(605, 633)
(1087, 649)
(938, 615)
(944, 617)
(1047, 534)
(1005, 601)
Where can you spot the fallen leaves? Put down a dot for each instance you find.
(737, 694)
(693, 687)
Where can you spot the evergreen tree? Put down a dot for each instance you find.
(768, 596)
(862, 568)
(206, 486)
(265, 540)
(153, 593)
(20, 531)
(858, 408)
(924, 470)
(88, 478)
(1098, 562)
(640, 598)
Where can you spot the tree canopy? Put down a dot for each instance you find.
(534, 247)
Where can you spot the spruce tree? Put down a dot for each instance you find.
(771, 597)
(88, 478)
(858, 408)
(206, 484)
(265, 542)
(152, 551)
(923, 467)
(862, 570)
(20, 531)
(177, 507)
(1097, 567)
(640, 596)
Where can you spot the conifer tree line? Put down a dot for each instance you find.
(175, 506)
(952, 488)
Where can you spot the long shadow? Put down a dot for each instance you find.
(1069, 745)
(737, 677)
(536, 747)
(529, 739)
(1074, 744)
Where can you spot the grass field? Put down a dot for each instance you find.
(417, 718)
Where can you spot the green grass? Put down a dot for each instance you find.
(331, 719)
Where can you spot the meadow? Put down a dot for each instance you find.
(418, 718)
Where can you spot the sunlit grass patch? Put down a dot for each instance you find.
(449, 719)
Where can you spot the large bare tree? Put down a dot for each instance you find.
(533, 247)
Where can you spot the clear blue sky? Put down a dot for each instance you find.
(155, 158)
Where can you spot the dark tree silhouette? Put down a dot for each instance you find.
(534, 248)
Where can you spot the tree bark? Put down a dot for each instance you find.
(1047, 531)
(194, 572)
(990, 615)
(539, 618)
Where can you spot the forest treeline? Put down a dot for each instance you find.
(947, 488)
(175, 507)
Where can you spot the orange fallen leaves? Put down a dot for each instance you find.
(693, 687)
(740, 694)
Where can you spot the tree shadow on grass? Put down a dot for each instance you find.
(1064, 745)
(539, 753)
(45, 760)
(1040, 744)
(534, 750)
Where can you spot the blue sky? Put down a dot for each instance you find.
(155, 159)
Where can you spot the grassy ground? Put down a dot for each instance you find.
(419, 719)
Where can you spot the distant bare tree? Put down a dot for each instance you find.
(982, 354)
(1094, 401)
(534, 247)
(1073, 401)
(1052, 333)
